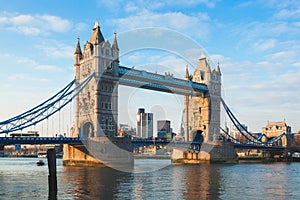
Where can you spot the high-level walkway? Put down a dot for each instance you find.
(164, 83)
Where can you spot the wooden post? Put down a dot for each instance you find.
(52, 180)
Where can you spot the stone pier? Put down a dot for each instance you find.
(210, 152)
(100, 151)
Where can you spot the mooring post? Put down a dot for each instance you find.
(52, 180)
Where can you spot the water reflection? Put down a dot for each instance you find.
(199, 181)
(91, 183)
(22, 179)
(178, 182)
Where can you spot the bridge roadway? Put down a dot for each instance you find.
(135, 143)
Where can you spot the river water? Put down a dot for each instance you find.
(21, 178)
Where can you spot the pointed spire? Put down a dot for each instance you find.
(96, 25)
(218, 68)
(115, 43)
(186, 76)
(96, 37)
(78, 48)
(202, 56)
(208, 68)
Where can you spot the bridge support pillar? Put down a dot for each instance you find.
(101, 151)
(77, 155)
(210, 152)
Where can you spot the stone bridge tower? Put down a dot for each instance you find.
(202, 120)
(97, 105)
(202, 114)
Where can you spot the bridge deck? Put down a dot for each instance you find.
(252, 146)
(39, 140)
(135, 143)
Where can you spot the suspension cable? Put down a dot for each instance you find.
(239, 126)
(44, 110)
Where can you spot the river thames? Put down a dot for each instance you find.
(21, 178)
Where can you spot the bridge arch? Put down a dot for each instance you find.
(280, 142)
(87, 130)
(197, 135)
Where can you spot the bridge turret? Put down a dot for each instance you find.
(77, 54)
(115, 54)
(186, 75)
(115, 43)
(202, 73)
(186, 107)
(218, 70)
(96, 37)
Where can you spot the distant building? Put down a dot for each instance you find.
(164, 129)
(125, 129)
(236, 133)
(274, 129)
(164, 125)
(144, 124)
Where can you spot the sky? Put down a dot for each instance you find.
(256, 43)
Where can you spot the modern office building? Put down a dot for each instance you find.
(144, 124)
(164, 129)
(164, 125)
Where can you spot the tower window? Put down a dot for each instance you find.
(202, 75)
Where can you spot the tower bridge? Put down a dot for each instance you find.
(97, 105)
(98, 74)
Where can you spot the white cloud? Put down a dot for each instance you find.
(31, 64)
(245, 4)
(174, 20)
(131, 7)
(263, 45)
(285, 55)
(118, 5)
(25, 77)
(5, 55)
(57, 50)
(34, 24)
(288, 13)
(27, 61)
(279, 4)
(268, 66)
(21, 19)
(48, 68)
(297, 64)
(253, 32)
(81, 26)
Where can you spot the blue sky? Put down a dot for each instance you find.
(256, 42)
